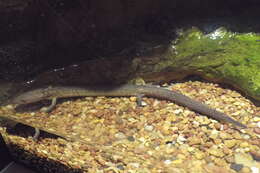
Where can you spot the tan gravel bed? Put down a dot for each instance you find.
(115, 135)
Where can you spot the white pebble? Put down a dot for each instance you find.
(148, 128)
(167, 162)
(181, 139)
(143, 103)
(177, 111)
(120, 135)
(254, 169)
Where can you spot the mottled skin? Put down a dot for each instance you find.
(124, 90)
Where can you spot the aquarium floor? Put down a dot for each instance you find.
(115, 135)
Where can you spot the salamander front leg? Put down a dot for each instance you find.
(139, 99)
(51, 107)
(44, 109)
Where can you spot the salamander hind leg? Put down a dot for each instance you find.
(36, 134)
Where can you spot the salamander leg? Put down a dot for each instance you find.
(139, 100)
(36, 134)
(44, 109)
(51, 107)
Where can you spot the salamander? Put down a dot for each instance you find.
(52, 93)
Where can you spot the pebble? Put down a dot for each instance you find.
(244, 144)
(216, 169)
(177, 161)
(220, 161)
(131, 138)
(167, 162)
(133, 164)
(214, 134)
(224, 135)
(246, 170)
(254, 169)
(236, 167)
(194, 140)
(257, 130)
(181, 139)
(216, 152)
(246, 136)
(247, 160)
(230, 143)
(120, 135)
(256, 119)
(199, 155)
(148, 128)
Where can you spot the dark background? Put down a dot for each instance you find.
(37, 35)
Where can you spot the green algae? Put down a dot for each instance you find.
(225, 56)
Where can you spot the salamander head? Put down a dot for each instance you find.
(27, 97)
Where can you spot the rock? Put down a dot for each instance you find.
(256, 119)
(194, 140)
(148, 127)
(210, 168)
(216, 152)
(224, 135)
(214, 134)
(244, 144)
(247, 160)
(177, 161)
(199, 155)
(246, 170)
(230, 143)
(236, 167)
(257, 130)
(220, 162)
(120, 135)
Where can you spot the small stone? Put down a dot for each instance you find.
(224, 135)
(177, 161)
(9, 107)
(167, 162)
(177, 111)
(194, 140)
(120, 135)
(256, 119)
(258, 124)
(220, 162)
(199, 155)
(246, 136)
(217, 141)
(148, 127)
(143, 103)
(245, 159)
(181, 139)
(230, 159)
(226, 150)
(217, 126)
(133, 99)
(236, 167)
(216, 152)
(214, 134)
(230, 143)
(257, 130)
(210, 168)
(134, 165)
(121, 167)
(246, 169)
(244, 144)
(131, 138)
(254, 169)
